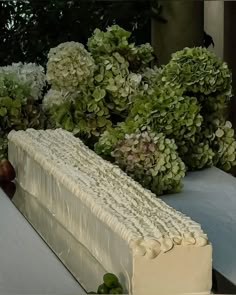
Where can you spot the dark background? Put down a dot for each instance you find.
(28, 29)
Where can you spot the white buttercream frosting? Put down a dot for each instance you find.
(144, 221)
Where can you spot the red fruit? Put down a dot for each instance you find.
(7, 172)
(9, 188)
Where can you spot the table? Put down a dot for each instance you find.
(27, 265)
(209, 197)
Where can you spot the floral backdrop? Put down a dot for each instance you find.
(155, 122)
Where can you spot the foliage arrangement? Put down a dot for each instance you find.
(185, 100)
(201, 74)
(91, 90)
(110, 285)
(19, 105)
(155, 123)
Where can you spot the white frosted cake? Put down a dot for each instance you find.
(97, 219)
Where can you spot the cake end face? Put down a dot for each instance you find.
(183, 270)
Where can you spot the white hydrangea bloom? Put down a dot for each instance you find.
(69, 66)
(134, 80)
(55, 97)
(30, 73)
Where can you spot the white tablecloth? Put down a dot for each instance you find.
(209, 197)
(27, 265)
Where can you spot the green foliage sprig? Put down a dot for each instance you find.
(110, 285)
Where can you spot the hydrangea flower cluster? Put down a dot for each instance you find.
(104, 43)
(82, 115)
(55, 98)
(18, 110)
(224, 145)
(90, 89)
(153, 122)
(117, 81)
(74, 101)
(119, 65)
(197, 70)
(202, 74)
(29, 73)
(116, 39)
(169, 111)
(152, 160)
(110, 92)
(182, 101)
(69, 66)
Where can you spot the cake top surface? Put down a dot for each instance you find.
(147, 223)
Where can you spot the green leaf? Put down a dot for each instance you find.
(3, 112)
(111, 88)
(92, 107)
(14, 112)
(101, 121)
(99, 78)
(99, 94)
(219, 132)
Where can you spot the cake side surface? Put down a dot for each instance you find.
(148, 226)
(88, 271)
(132, 211)
(71, 213)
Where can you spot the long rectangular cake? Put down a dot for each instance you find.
(97, 219)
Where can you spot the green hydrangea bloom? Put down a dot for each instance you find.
(69, 66)
(214, 145)
(117, 82)
(152, 160)
(139, 57)
(82, 113)
(197, 155)
(197, 70)
(224, 145)
(112, 135)
(116, 39)
(169, 111)
(55, 97)
(150, 78)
